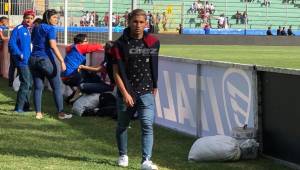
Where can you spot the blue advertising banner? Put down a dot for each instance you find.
(227, 99)
(223, 99)
(177, 99)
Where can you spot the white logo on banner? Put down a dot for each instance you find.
(237, 101)
(182, 106)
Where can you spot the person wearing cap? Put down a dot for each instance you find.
(20, 49)
(43, 65)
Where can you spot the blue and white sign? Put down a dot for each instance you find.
(226, 98)
(176, 99)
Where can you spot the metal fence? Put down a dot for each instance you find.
(15, 7)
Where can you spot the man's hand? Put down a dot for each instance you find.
(154, 91)
(63, 66)
(80, 68)
(21, 57)
(128, 100)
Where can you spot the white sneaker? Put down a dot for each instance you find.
(148, 165)
(123, 161)
(65, 116)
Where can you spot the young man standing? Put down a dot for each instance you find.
(20, 50)
(135, 69)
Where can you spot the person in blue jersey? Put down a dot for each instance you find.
(42, 63)
(76, 57)
(20, 49)
(79, 76)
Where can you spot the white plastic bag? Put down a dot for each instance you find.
(215, 148)
(90, 101)
(16, 84)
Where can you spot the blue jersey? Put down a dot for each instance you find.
(72, 61)
(40, 37)
(76, 56)
(20, 45)
(3, 27)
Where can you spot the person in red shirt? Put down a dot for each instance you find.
(73, 76)
(106, 19)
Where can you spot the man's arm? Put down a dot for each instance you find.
(154, 67)
(12, 44)
(126, 96)
(88, 48)
(2, 36)
(98, 68)
(53, 46)
(57, 53)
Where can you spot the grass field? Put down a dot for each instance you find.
(89, 142)
(274, 56)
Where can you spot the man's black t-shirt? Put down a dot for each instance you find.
(138, 68)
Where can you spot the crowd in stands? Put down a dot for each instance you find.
(89, 19)
(204, 11)
(153, 20)
(240, 18)
(281, 31)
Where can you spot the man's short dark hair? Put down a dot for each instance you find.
(136, 12)
(3, 18)
(79, 38)
(37, 21)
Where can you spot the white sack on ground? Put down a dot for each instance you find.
(85, 102)
(215, 148)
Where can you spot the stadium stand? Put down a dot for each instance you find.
(259, 17)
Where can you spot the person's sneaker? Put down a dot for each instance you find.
(64, 116)
(20, 111)
(75, 97)
(39, 116)
(67, 99)
(123, 161)
(148, 165)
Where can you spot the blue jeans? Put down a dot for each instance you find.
(76, 78)
(99, 87)
(23, 96)
(42, 67)
(11, 71)
(87, 82)
(145, 108)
